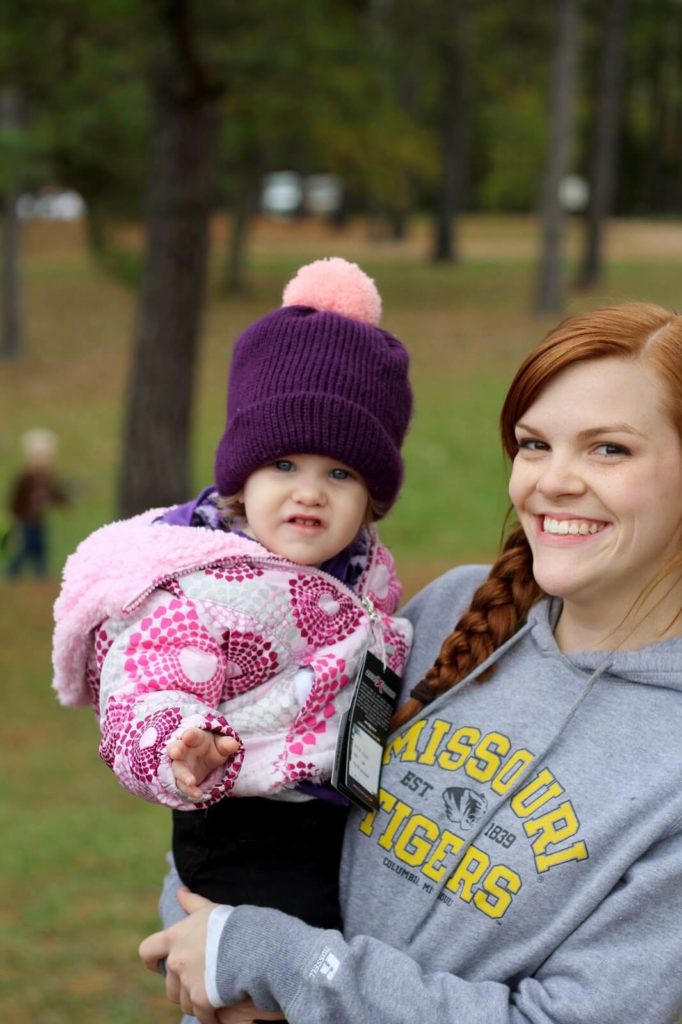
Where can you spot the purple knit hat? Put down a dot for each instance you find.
(319, 377)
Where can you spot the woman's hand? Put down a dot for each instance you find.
(183, 948)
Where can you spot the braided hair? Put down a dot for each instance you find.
(497, 609)
(501, 603)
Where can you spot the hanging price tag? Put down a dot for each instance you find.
(363, 731)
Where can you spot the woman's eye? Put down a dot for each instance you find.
(284, 465)
(611, 449)
(339, 474)
(531, 444)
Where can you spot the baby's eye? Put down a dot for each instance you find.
(284, 465)
(340, 474)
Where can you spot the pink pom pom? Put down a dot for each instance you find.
(334, 285)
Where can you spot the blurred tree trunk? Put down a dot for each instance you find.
(605, 139)
(549, 290)
(661, 190)
(452, 52)
(399, 213)
(155, 468)
(379, 21)
(11, 335)
(243, 207)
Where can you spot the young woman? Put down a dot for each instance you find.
(526, 862)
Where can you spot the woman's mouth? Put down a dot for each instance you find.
(574, 527)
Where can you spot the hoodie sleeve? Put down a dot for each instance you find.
(162, 674)
(621, 964)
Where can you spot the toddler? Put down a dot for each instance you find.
(218, 641)
(34, 491)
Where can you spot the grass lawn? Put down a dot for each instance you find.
(81, 865)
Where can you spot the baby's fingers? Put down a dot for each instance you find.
(183, 775)
(176, 750)
(227, 745)
(186, 782)
(192, 793)
(193, 737)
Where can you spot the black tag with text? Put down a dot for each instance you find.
(363, 731)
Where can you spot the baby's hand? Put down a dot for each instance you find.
(195, 755)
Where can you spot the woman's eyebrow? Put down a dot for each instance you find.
(611, 428)
(589, 432)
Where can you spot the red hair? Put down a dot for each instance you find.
(500, 605)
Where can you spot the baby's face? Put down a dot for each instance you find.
(306, 508)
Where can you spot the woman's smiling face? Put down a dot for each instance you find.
(597, 483)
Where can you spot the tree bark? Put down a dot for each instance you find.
(550, 286)
(605, 138)
(155, 468)
(450, 186)
(11, 334)
(234, 280)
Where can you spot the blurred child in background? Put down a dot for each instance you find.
(34, 491)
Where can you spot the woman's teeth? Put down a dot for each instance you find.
(574, 526)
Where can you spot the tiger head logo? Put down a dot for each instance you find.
(464, 806)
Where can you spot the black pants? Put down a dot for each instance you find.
(269, 853)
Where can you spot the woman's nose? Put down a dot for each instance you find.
(560, 475)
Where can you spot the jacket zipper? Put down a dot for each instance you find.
(364, 602)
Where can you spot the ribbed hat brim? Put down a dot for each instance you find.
(314, 424)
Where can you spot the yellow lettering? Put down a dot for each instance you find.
(460, 743)
(553, 827)
(536, 793)
(509, 772)
(411, 847)
(386, 802)
(485, 759)
(469, 871)
(545, 861)
(499, 885)
(367, 823)
(440, 729)
(448, 843)
(404, 745)
(400, 811)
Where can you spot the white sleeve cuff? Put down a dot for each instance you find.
(303, 684)
(216, 922)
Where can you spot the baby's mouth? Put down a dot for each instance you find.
(575, 527)
(306, 521)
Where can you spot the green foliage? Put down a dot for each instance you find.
(79, 71)
(354, 88)
(19, 158)
(516, 129)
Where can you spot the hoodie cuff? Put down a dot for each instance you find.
(216, 922)
(263, 955)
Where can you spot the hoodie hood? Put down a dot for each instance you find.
(657, 664)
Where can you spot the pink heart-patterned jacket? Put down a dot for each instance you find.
(164, 627)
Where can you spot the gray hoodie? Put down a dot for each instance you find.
(526, 862)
